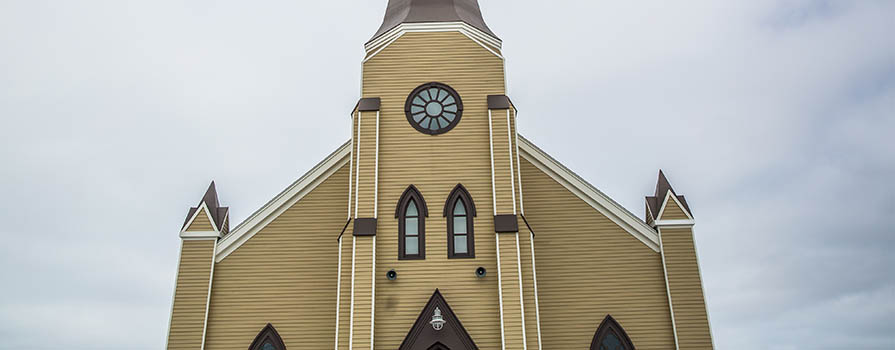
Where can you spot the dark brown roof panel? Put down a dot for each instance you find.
(431, 11)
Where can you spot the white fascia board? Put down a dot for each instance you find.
(202, 208)
(674, 223)
(590, 194)
(200, 234)
(486, 41)
(670, 196)
(282, 201)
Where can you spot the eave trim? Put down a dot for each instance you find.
(284, 200)
(590, 194)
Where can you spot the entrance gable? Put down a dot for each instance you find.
(424, 334)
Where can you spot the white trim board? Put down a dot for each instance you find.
(202, 207)
(484, 40)
(282, 201)
(590, 194)
(673, 197)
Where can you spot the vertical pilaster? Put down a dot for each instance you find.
(358, 262)
(685, 290)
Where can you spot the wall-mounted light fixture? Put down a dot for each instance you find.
(391, 275)
(437, 320)
(480, 272)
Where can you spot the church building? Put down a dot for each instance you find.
(438, 226)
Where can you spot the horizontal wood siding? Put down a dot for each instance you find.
(435, 164)
(284, 275)
(686, 289)
(201, 222)
(191, 294)
(589, 267)
(673, 211)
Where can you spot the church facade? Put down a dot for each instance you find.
(438, 226)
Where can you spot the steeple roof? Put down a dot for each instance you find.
(654, 202)
(218, 213)
(432, 11)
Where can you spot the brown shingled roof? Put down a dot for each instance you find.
(217, 212)
(430, 11)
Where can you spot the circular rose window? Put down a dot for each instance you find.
(433, 108)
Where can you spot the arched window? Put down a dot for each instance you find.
(459, 209)
(411, 214)
(268, 339)
(611, 336)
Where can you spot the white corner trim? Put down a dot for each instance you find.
(373, 297)
(671, 195)
(486, 41)
(521, 293)
(534, 275)
(338, 292)
(491, 149)
(668, 291)
(173, 295)
(503, 338)
(674, 223)
(202, 207)
(270, 211)
(705, 298)
(208, 300)
(590, 194)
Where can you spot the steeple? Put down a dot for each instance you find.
(433, 11)
(217, 213)
(654, 204)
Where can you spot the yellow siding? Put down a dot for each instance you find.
(673, 211)
(191, 294)
(367, 160)
(589, 267)
(285, 275)
(435, 164)
(201, 222)
(512, 310)
(503, 173)
(686, 289)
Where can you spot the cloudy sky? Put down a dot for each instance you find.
(774, 118)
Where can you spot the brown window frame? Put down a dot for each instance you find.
(268, 333)
(460, 193)
(609, 324)
(411, 193)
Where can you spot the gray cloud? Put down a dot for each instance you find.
(773, 117)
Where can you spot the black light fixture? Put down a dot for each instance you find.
(391, 275)
(480, 272)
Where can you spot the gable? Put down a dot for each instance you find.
(673, 210)
(588, 193)
(424, 336)
(201, 221)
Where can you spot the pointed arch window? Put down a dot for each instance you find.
(411, 214)
(459, 209)
(611, 336)
(268, 339)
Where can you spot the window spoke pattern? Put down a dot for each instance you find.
(411, 213)
(459, 211)
(433, 108)
(611, 336)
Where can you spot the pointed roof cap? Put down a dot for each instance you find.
(217, 212)
(654, 203)
(432, 11)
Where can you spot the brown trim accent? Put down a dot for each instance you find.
(423, 337)
(499, 102)
(506, 223)
(364, 227)
(610, 325)
(368, 104)
(466, 11)
(527, 225)
(343, 229)
(412, 193)
(460, 193)
(268, 333)
(218, 213)
(408, 103)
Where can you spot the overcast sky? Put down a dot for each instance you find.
(774, 118)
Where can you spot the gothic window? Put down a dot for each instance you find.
(459, 210)
(411, 214)
(268, 339)
(611, 336)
